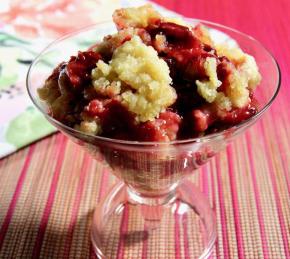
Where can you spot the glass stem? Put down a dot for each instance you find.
(152, 206)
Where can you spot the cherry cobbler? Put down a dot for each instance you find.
(156, 79)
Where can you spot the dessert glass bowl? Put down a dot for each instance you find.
(154, 208)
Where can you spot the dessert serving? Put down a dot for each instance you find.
(152, 99)
(156, 79)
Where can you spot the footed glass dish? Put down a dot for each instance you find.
(154, 203)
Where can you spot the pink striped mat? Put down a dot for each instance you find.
(48, 190)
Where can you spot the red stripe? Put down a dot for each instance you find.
(76, 205)
(2, 162)
(204, 184)
(104, 183)
(16, 194)
(185, 235)
(123, 232)
(257, 199)
(185, 226)
(177, 232)
(50, 200)
(235, 202)
(204, 180)
(214, 205)
(222, 209)
(92, 252)
(145, 243)
(283, 155)
(276, 193)
(205, 187)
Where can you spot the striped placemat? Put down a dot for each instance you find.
(48, 190)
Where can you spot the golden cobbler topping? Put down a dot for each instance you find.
(155, 79)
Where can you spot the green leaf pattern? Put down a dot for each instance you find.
(29, 125)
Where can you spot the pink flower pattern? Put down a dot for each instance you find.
(32, 18)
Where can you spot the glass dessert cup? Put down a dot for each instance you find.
(154, 206)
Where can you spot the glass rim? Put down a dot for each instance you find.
(201, 139)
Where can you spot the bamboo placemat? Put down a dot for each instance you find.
(48, 190)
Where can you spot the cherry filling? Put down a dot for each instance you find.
(79, 67)
(164, 128)
(238, 115)
(182, 49)
(185, 55)
(190, 116)
(117, 122)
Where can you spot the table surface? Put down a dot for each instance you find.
(49, 189)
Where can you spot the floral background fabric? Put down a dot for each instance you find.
(26, 27)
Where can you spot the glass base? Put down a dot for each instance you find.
(180, 224)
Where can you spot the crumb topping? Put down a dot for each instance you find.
(156, 79)
(137, 17)
(146, 76)
(208, 88)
